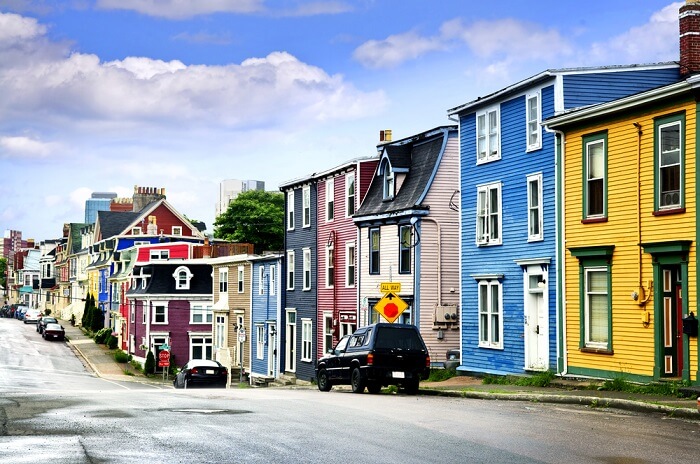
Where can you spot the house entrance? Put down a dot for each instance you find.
(671, 320)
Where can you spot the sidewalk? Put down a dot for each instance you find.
(563, 391)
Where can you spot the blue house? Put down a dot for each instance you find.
(265, 312)
(298, 321)
(509, 306)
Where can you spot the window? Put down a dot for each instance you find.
(350, 194)
(306, 200)
(201, 347)
(260, 341)
(488, 221)
(220, 331)
(487, 136)
(241, 274)
(261, 280)
(596, 308)
(182, 276)
(306, 339)
(200, 314)
(160, 315)
(670, 148)
(290, 210)
(273, 280)
(534, 206)
(490, 314)
(307, 269)
(132, 312)
(327, 332)
(177, 230)
(290, 270)
(136, 231)
(223, 280)
(350, 264)
(330, 199)
(374, 251)
(533, 116)
(330, 266)
(595, 168)
(405, 241)
(388, 182)
(143, 316)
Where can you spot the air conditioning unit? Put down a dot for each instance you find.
(446, 314)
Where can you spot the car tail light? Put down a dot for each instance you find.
(194, 371)
(224, 372)
(370, 359)
(427, 361)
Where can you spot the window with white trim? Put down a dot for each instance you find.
(597, 308)
(327, 332)
(488, 214)
(201, 347)
(350, 264)
(290, 210)
(330, 199)
(201, 314)
(306, 206)
(595, 169)
(290, 270)
(220, 331)
(307, 269)
(389, 182)
(136, 231)
(490, 314)
(241, 276)
(533, 116)
(330, 265)
(132, 312)
(182, 276)
(487, 135)
(159, 315)
(306, 339)
(260, 341)
(176, 230)
(223, 280)
(405, 241)
(670, 146)
(374, 251)
(261, 280)
(350, 194)
(534, 207)
(273, 280)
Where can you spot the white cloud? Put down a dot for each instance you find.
(395, 49)
(23, 147)
(182, 9)
(656, 40)
(15, 28)
(318, 8)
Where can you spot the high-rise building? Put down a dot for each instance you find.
(229, 189)
(99, 201)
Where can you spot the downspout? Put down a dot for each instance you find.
(642, 296)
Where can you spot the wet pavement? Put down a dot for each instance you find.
(101, 361)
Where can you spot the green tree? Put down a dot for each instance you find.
(255, 217)
(150, 365)
(3, 269)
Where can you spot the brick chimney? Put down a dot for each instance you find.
(689, 25)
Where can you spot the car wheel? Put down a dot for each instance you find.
(322, 379)
(374, 387)
(185, 384)
(356, 381)
(411, 387)
(175, 383)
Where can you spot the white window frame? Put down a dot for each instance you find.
(241, 279)
(273, 280)
(533, 127)
(490, 136)
(306, 206)
(176, 230)
(259, 341)
(290, 269)
(486, 215)
(306, 270)
(350, 265)
(207, 342)
(223, 280)
(350, 194)
(327, 331)
(587, 307)
(290, 210)
(179, 285)
(261, 280)
(220, 331)
(154, 314)
(661, 166)
(389, 183)
(330, 199)
(534, 211)
(205, 312)
(488, 311)
(306, 339)
(135, 231)
(330, 265)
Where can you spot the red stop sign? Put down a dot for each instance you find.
(391, 310)
(164, 358)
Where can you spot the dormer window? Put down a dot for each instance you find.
(388, 183)
(182, 276)
(136, 231)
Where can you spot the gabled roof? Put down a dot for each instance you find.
(162, 281)
(419, 157)
(111, 223)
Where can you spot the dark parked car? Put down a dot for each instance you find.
(41, 323)
(375, 356)
(53, 332)
(201, 373)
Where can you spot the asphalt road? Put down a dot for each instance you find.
(52, 410)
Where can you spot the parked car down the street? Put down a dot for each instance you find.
(201, 373)
(53, 332)
(41, 323)
(32, 316)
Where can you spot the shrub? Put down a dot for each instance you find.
(438, 375)
(150, 365)
(112, 342)
(102, 334)
(121, 357)
(135, 364)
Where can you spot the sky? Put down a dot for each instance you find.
(103, 95)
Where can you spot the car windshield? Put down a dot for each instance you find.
(342, 344)
(389, 337)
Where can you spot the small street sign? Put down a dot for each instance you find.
(390, 287)
(164, 358)
(391, 307)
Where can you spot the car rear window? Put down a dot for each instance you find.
(405, 339)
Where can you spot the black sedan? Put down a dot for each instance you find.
(41, 324)
(53, 332)
(201, 373)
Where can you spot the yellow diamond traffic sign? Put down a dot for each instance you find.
(390, 306)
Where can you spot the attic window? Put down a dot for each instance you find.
(177, 230)
(136, 231)
(388, 183)
(182, 276)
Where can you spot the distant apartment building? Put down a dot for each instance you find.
(229, 189)
(99, 201)
(11, 243)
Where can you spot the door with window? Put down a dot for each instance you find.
(291, 342)
(271, 349)
(672, 329)
(536, 320)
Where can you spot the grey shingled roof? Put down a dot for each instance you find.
(114, 222)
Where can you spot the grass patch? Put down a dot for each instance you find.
(438, 375)
(620, 384)
(542, 379)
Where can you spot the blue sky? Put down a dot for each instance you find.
(102, 95)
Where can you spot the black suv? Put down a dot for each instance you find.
(376, 356)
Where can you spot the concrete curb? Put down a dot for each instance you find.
(593, 402)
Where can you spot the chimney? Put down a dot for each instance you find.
(385, 135)
(689, 25)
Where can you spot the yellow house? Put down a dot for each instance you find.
(628, 172)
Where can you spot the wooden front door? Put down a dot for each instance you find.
(672, 328)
